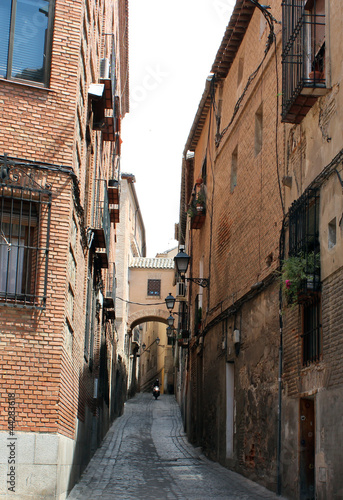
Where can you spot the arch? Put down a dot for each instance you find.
(147, 314)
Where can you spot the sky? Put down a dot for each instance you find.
(172, 47)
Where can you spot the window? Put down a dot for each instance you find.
(304, 235)
(240, 71)
(258, 130)
(304, 223)
(25, 39)
(304, 242)
(234, 161)
(311, 337)
(24, 233)
(204, 170)
(332, 234)
(90, 318)
(303, 57)
(154, 288)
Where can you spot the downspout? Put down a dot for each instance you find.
(279, 400)
(278, 451)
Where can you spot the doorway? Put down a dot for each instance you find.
(230, 404)
(307, 449)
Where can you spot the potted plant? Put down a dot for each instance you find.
(197, 205)
(317, 63)
(200, 200)
(298, 274)
(192, 210)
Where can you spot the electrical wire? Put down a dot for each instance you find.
(271, 37)
(139, 303)
(276, 128)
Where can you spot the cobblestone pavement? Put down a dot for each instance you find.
(145, 455)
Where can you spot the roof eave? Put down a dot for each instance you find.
(234, 34)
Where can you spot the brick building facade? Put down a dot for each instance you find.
(63, 92)
(312, 234)
(130, 243)
(261, 190)
(151, 281)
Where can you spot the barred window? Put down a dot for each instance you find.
(24, 233)
(304, 224)
(154, 288)
(311, 336)
(304, 242)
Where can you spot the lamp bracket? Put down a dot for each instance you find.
(203, 282)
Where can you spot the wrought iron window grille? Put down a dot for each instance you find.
(24, 238)
(304, 240)
(303, 57)
(154, 288)
(304, 235)
(312, 332)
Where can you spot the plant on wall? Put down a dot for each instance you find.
(298, 273)
(197, 205)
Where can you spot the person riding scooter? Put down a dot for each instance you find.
(156, 388)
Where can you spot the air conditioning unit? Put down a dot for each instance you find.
(104, 68)
(181, 290)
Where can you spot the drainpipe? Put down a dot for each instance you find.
(279, 403)
(278, 451)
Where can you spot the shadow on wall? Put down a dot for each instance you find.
(95, 415)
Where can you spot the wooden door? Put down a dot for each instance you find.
(307, 450)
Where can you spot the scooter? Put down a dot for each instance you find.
(155, 391)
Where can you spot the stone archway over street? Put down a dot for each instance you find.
(147, 314)
(150, 282)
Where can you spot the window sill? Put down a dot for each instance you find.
(20, 303)
(26, 84)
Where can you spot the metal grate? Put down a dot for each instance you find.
(312, 341)
(154, 288)
(304, 233)
(303, 56)
(24, 245)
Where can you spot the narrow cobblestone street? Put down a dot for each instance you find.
(146, 455)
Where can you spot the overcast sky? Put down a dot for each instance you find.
(172, 47)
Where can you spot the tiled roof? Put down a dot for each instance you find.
(152, 263)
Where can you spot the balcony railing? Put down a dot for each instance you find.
(101, 223)
(303, 57)
(113, 192)
(113, 199)
(197, 207)
(110, 292)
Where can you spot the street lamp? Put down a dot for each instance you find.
(170, 320)
(181, 263)
(170, 331)
(146, 349)
(170, 301)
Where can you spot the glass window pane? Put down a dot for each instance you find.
(154, 287)
(5, 18)
(30, 37)
(12, 260)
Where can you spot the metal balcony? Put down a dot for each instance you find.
(303, 57)
(110, 292)
(101, 223)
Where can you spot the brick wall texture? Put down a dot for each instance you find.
(49, 131)
(238, 249)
